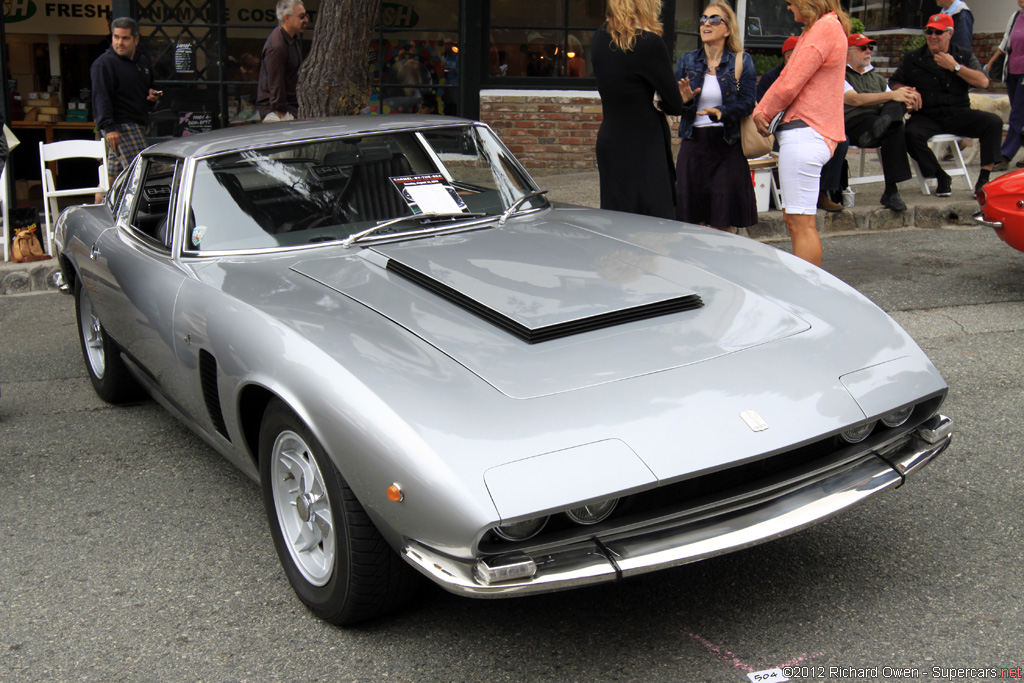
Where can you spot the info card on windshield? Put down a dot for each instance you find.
(429, 193)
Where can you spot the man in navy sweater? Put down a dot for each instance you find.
(122, 88)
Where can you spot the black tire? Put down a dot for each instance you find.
(109, 375)
(334, 557)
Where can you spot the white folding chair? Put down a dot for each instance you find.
(939, 143)
(860, 178)
(6, 211)
(69, 149)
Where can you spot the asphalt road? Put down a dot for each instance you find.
(129, 551)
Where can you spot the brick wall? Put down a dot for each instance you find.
(549, 131)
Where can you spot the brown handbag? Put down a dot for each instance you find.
(754, 144)
(26, 246)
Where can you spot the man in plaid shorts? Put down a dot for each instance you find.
(122, 88)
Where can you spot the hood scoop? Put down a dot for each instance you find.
(552, 330)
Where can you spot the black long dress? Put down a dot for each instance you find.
(634, 154)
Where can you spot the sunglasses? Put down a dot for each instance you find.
(866, 48)
(933, 32)
(714, 19)
(301, 16)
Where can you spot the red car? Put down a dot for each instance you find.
(1002, 208)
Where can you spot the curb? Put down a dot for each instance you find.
(26, 278)
(770, 224)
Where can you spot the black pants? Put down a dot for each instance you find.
(962, 121)
(892, 145)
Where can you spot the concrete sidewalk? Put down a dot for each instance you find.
(581, 189)
(923, 211)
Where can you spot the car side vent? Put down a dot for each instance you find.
(549, 332)
(211, 394)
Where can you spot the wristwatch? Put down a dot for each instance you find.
(957, 67)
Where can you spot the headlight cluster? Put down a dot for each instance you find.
(891, 419)
(585, 515)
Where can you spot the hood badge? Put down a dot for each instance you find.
(753, 420)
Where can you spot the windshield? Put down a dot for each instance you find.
(332, 189)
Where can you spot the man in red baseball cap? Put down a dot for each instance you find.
(874, 116)
(942, 74)
(772, 75)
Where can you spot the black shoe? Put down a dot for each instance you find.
(981, 184)
(873, 137)
(1020, 164)
(893, 201)
(943, 187)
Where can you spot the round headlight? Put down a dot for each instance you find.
(592, 514)
(858, 434)
(897, 417)
(520, 531)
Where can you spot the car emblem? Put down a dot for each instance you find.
(754, 421)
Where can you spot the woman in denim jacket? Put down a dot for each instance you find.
(713, 185)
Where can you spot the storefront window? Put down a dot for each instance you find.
(542, 40)
(687, 14)
(771, 20)
(415, 65)
(884, 14)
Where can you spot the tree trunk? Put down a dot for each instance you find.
(335, 78)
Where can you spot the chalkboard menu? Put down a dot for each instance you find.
(185, 58)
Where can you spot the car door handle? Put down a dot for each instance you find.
(94, 252)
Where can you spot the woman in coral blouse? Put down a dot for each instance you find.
(810, 92)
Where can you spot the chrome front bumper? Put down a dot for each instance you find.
(728, 529)
(980, 219)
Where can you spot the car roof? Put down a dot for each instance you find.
(258, 135)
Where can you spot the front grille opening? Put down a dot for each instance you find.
(678, 497)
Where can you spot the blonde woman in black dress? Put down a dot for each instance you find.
(632, 65)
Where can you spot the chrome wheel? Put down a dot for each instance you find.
(303, 507)
(92, 336)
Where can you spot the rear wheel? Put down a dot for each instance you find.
(334, 557)
(109, 375)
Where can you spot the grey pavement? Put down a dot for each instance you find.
(581, 189)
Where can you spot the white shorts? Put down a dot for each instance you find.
(802, 153)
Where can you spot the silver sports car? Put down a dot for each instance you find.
(430, 369)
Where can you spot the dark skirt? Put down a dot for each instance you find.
(713, 182)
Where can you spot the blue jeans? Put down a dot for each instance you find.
(1015, 89)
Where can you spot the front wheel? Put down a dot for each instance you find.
(107, 372)
(335, 559)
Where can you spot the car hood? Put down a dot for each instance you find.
(542, 306)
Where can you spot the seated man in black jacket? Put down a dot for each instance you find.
(874, 116)
(942, 74)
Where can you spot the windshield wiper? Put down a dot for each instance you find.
(517, 203)
(352, 239)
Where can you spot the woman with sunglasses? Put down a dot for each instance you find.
(712, 176)
(810, 92)
(634, 70)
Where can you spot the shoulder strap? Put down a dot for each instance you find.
(738, 67)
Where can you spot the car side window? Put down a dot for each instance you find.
(151, 217)
(127, 184)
